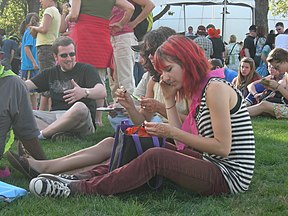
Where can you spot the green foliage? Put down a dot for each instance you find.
(279, 7)
(14, 12)
(267, 195)
(12, 16)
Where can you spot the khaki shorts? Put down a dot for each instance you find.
(82, 129)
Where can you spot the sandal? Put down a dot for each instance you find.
(21, 164)
(22, 152)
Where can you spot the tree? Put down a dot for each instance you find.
(261, 13)
(279, 7)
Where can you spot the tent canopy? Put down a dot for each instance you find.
(243, 3)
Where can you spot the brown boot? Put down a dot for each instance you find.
(34, 148)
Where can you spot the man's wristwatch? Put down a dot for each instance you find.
(87, 93)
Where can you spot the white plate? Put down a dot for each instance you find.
(105, 109)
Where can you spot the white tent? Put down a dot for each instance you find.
(244, 3)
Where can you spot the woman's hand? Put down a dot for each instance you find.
(115, 27)
(33, 31)
(257, 97)
(169, 90)
(150, 105)
(159, 129)
(124, 98)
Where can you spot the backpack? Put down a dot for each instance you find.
(143, 27)
(242, 53)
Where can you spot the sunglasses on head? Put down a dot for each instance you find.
(65, 55)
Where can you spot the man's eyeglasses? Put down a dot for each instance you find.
(65, 55)
(276, 67)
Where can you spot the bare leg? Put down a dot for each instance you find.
(34, 148)
(33, 98)
(80, 159)
(69, 120)
(41, 124)
(44, 103)
(100, 103)
(261, 108)
(98, 120)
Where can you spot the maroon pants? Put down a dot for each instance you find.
(186, 169)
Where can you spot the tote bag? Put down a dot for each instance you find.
(129, 146)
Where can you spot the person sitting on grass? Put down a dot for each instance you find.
(16, 112)
(228, 73)
(218, 125)
(74, 87)
(246, 75)
(275, 100)
(95, 155)
(152, 107)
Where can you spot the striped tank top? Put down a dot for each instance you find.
(238, 167)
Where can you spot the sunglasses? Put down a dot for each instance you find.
(65, 55)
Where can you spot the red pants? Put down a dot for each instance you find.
(186, 169)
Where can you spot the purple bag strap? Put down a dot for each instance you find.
(124, 124)
(138, 146)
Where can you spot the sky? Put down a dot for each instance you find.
(237, 22)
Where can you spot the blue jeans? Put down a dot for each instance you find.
(250, 98)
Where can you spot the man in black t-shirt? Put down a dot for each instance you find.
(74, 87)
(249, 46)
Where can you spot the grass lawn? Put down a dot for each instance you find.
(268, 193)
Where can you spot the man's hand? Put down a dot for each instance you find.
(74, 94)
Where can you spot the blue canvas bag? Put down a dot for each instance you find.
(9, 193)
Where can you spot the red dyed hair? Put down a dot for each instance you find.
(185, 52)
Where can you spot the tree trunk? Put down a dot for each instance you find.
(261, 13)
(33, 6)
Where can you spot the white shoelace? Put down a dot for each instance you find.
(56, 189)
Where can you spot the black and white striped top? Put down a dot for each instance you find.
(238, 167)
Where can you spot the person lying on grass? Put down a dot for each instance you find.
(218, 125)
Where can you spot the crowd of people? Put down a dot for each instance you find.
(196, 91)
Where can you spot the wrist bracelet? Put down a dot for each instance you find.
(167, 108)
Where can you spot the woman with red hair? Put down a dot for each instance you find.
(215, 148)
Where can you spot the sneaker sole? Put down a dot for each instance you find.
(57, 178)
(32, 186)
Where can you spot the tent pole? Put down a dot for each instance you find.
(223, 18)
(184, 8)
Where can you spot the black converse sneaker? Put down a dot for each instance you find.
(65, 178)
(43, 187)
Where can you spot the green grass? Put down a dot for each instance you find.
(268, 193)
